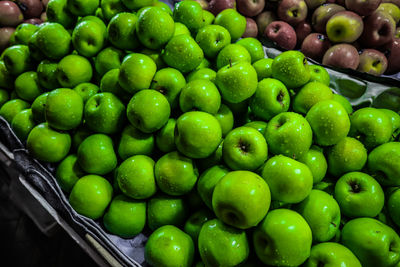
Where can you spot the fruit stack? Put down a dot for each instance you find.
(164, 122)
(351, 34)
(13, 13)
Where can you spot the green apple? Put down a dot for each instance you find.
(319, 74)
(104, 113)
(169, 82)
(39, 108)
(374, 243)
(148, 110)
(154, 28)
(329, 121)
(89, 36)
(233, 21)
(155, 55)
(134, 142)
(163, 210)
(180, 29)
(135, 177)
(241, 199)
(68, 172)
(23, 33)
(58, 12)
(359, 195)
(208, 18)
(254, 47)
(163, 6)
(179, 181)
(136, 72)
(80, 134)
(125, 217)
(73, 70)
(237, 82)
(6, 78)
(11, 108)
(204, 73)
(22, 124)
(383, 163)
(137, 4)
(270, 99)
(48, 145)
(214, 159)
(291, 68)
(346, 156)
(35, 49)
(201, 95)
(190, 14)
(195, 222)
(90, 196)
(197, 134)
(110, 83)
(263, 68)
(47, 74)
(395, 119)
(232, 53)
(260, 126)
(86, 90)
(111, 8)
(27, 86)
(83, 7)
(290, 134)
(393, 204)
(96, 154)
(64, 109)
(169, 246)
(344, 102)
(283, 238)
(53, 40)
(225, 119)
(165, 137)
(4, 97)
(392, 9)
(108, 59)
(122, 31)
(316, 161)
(330, 254)
(244, 148)
(183, 53)
(17, 59)
(310, 94)
(322, 213)
(371, 126)
(213, 38)
(207, 182)
(214, 235)
(290, 181)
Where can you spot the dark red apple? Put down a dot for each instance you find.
(379, 29)
(264, 19)
(292, 11)
(5, 34)
(34, 21)
(282, 34)
(216, 6)
(10, 14)
(373, 62)
(250, 8)
(392, 52)
(45, 2)
(251, 28)
(342, 56)
(362, 7)
(302, 30)
(30, 8)
(322, 14)
(315, 45)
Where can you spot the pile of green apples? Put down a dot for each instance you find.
(169, 123)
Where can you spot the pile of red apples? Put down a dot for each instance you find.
(361, 35)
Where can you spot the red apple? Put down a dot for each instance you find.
(251, 28)
(392, 52)
(250, 8)
(10, 14)
(373, 62)
(34, 21)
(379, 29)
(292, 11)
(302, 30)
(216, 6)
(315, 45)
(342, 56)
(30, 8)
(264, 19)
(5, 34)
(282, 34)
(362, 7)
